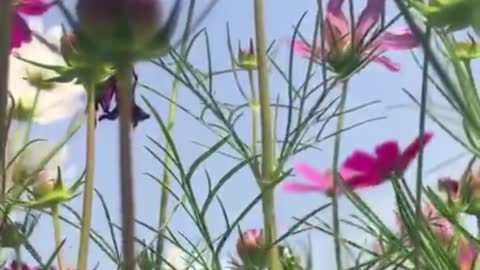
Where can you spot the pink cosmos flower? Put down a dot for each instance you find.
(468, 255)
(360, 169)
(20, 31)
(345, 51)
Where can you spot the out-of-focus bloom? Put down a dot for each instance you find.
(247, 59)
(463, 195)
(346, 52)
(439, 225)
(372, 170)
(468, 255)
(34, 95)
(361, 169)
(129, 30)
(454, 15)
(31, 158)
(319, 181)
(21, 32)
(251, 249)
(24, 266)
(108, 93)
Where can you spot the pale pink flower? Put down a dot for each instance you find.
(345, 51)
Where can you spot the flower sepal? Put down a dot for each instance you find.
(247, 59)
(48, 192)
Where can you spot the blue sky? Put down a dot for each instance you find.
(374, 83)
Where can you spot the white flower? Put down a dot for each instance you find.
(52, 101)
(30, 159)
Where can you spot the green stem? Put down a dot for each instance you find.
(336, 156)
(167, 179)
(57, 227)
(255, 107)
(124, 73)
(18, 258)
(421, 129)
(6, 11)
(89, 181)
(267, 180)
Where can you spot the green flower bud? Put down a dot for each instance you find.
(247, 59)
(12, 235)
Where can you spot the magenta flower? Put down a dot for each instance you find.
(319, 181)
(374, 169)
(345, 51)
(20, 31)
(361, 169)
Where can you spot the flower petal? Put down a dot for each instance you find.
(20, 31)
(401, 39)
(302, 48)
(412, 151)
(386, 62)
(302, 188)
(388, 154)
(359, 161)
(321, 180)
(369, 17)
(33, 7)
(335, 16)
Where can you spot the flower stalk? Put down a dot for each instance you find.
(57, 227)
(6, 10)
(267, 180)
(254, 107)
(167, 179)
(336, 178)
(126, 175)
(89, 180)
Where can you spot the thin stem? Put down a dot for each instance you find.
(126, 184)
(336, 156)
(268, 199)
(89, 181)
(57, 227)
(6, 11)
(18, 258)
(254, 106)
(421, 128)
(167, 179)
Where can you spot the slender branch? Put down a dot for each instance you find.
(267, 181)
(6, 11)
(124, 72)
(254, 106)
(421, 130)
(167, 179)
(57, 227)
(89, 181)
(336, 156)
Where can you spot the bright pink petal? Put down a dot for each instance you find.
(369, 17)
(367, 179)
(336, 22)
(412, 151)
(20, 31)
(33, 7)
(386, 62)
(301, 188)
(322, 180)
(401, 39)
(360, 161)
(302, 48)
(388, 154)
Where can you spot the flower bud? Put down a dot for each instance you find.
(251, 249)
(44, 183)
(115, 21)
(126, 30)
(247, 58)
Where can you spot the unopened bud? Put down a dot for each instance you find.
(11, 235)
(247, 59)
(251, 248)
(44, 183)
